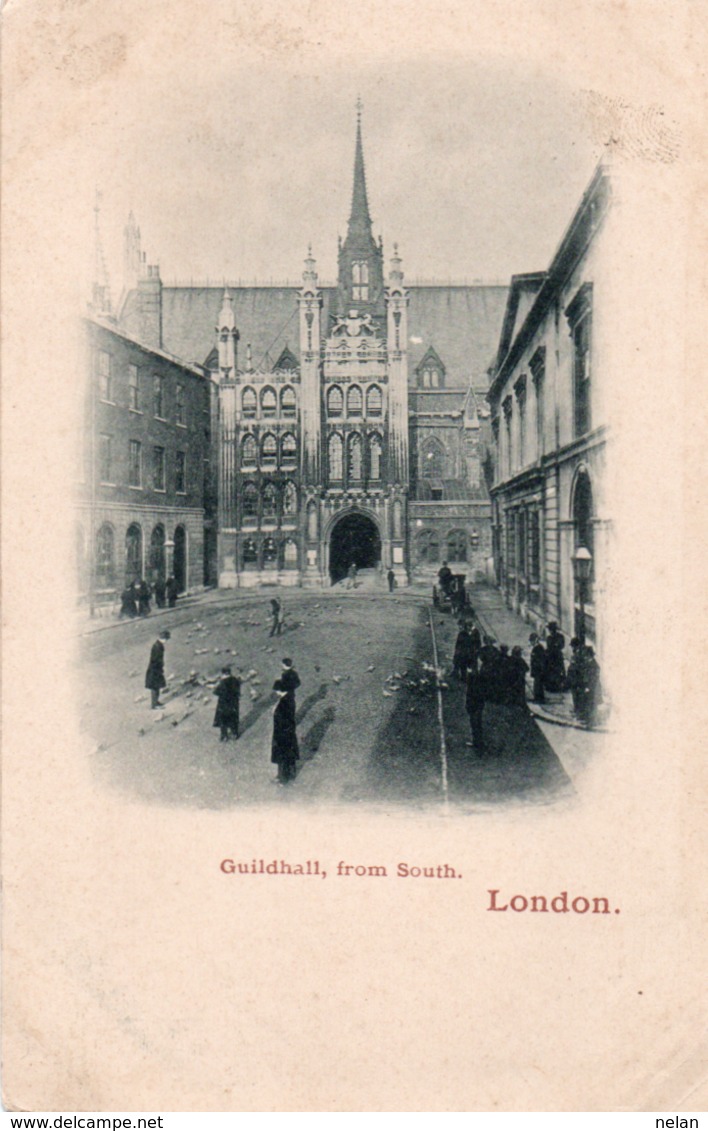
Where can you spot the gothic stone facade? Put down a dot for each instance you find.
(350, 420)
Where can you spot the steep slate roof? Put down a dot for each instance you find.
(462, 323)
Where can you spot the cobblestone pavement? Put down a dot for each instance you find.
(368, 710)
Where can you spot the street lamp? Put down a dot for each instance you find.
(582, 568)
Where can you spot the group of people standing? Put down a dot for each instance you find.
(285, 751)
(494, 674)
(136, 597)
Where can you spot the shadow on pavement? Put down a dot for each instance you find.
(311, 742)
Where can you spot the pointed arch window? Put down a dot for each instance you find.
(335, 401)
(249, 402)
(270, 501)
(354, 457)
(360, 280)
(375, 450)
(250, 501)
(431, 377)
(105, 557)
(269, 403)
(288, 402)
(335, 456)
(288, 450)
(248, 451)
(428, 547)
(290, 498)
(374, 401)
(433, 460)
(250, 553)
(133, 553)
(270, 553)
(457, 546)
(269, 450)
(354, 401)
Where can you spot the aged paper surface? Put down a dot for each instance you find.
(138, 975)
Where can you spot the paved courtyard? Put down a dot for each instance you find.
(368, 710)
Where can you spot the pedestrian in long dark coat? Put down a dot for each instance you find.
(538, 667)
(155, 674)
(391, 577)
(128, 607)
(276, 612)
(445, 577)
(518, 669)
(505, 677)
(284, 747)
(172, 590)
(465, 654)
(555, 666)
(143, 598)
(159, 590)
(590, 691)
(228, 692)
(489, 658)
(474, 705)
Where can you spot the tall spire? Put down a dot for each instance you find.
(360, 284)
(359, 219)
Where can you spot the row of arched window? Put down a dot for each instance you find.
(454, 546)
(269, 450)
(269, 553)
(138, 563)
(268, 402)
(270, 502)
(354, 401)
(364, 456)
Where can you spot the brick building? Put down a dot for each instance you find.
(145, 496)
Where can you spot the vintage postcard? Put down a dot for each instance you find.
(353, 554)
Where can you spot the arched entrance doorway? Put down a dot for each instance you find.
(156, 563)
(355, 538)
(180, 558)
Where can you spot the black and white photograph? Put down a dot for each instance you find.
(351, 538)
(398, 478)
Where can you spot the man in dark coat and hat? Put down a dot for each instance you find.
(517, 678)
(228, 692)
(143, 598)
(160, 591)
(467, 647)
(445, 578)
(538, 667)
(128, 606)
(555, 665)
(155, 674)
(284, 747)
(172, 591)
(489, 657)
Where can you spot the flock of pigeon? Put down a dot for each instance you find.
(185, 694)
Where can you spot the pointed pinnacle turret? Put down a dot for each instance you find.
(359, 219)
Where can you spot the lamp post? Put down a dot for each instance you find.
(582, 567)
